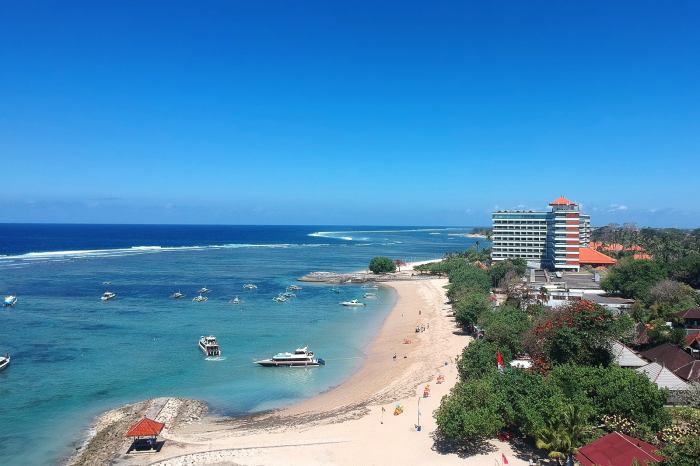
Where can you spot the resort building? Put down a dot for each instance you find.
(551, 239)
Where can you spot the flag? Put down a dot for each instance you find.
(499, 360)
(503, 455)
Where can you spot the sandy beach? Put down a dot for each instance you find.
(347, 425)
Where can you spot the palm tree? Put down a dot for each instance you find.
(562, 435)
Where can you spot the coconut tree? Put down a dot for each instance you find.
(562, 435)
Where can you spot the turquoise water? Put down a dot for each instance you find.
(74, 356)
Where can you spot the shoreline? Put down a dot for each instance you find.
(338, 426)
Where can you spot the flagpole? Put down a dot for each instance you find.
(418, 425)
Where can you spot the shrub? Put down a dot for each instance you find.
(382, 264)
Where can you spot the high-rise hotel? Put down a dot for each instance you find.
(551, 239)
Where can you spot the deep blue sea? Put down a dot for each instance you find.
(74, 356)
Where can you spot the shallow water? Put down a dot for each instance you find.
(75, 356)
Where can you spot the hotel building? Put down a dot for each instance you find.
(551, 239)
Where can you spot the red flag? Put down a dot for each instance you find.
(499, 359)
(505, 460)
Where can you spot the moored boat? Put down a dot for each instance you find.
(199, 299)
(203, 290)
(293, 288)
(4, 361)
(9, 301)
(370, 295)
(250, 286)
(209, 346)
(235, 300)
(280, 299)
(107, 295)
(301, 357)
(352, 303)
(177, 295)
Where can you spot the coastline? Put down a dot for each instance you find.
(338, 426)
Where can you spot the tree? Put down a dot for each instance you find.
(505, 326)
(382, 264)
(470, 307)
(500, 269)
(669, 296)
(687, 269)
(479, 359)
(563, 434)
(471, 411)
(633, 278)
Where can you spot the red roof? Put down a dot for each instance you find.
(145, 428)
(591, 256)
(562, 201)
(693, 313)
(690, 339)
(676, 360)
(616, 449)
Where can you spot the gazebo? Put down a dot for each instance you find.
(145, 435)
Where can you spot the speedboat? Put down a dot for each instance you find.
(250, 286)
(280, 299)
(199, 299)
(209, 346)
(203, 290)
(4, 361)
(352, 303)
(10, 301)
(177, 295)
(107, 295)
(301, 357)
(235, 300)
(293, 288)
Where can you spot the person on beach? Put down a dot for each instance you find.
(394, 356)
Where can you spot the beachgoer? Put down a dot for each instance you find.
(394, 356)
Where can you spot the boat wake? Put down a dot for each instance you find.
(345, 235)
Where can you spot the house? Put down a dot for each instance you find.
(589, 256)
(692, 345)
(625, 357)
(676, 360)
(690, 319)
(664, 378)
(617, 449)
(614, 304)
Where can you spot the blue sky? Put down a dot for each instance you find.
(406, 113)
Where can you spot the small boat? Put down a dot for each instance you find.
(4, 361)
(293, 288)
(301, 357)
(235, 300)
(199, 299)
(209, 346)
(370, 295)
(288, 294)
(369, 287)
(107, 295)
(352, 303)
(177, 295)
(10, 301)
(106, 283)
(280, 299)
(203, 290)
(250, 286)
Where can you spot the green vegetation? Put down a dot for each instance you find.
(633, 278)
(507, 270)
(382, 264)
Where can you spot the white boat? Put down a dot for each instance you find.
(107, 295)
(106, 283)
(352, 303)
(301, 357)
(250, 286)
(203, 290)
(10, 301)
(369, 287)
(370, 295)
(4, 361)
(209, 346)
(199, 299)
(177, 295)
(293, 288)
(235, 300)
(279, 299)
(288, 294)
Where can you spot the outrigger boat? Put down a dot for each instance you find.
(107, 295)
(293, 288)
(301, 357)
(203, 290)
(352, 303)
(10, 301)
(209, 346)
(250, 286)
(177, 295)
(4, 361)
(369, 287)
(199, 299)
(280, 299)
(370, 295)
(235, 300)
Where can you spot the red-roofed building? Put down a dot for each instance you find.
(561, 201)
(690, 317)
(676, 360)
(617, 449)
(589, 256)
(145, 428)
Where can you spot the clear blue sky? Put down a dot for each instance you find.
(407, 113)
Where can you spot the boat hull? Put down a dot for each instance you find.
(271, 363)
(4, 364)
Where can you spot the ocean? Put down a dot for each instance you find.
(74, 356)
